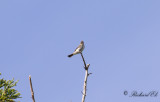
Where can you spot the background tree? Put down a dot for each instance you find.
(7, 92)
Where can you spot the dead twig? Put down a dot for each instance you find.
(85, 79)
(32, 93)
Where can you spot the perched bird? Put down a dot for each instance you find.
(78, 50)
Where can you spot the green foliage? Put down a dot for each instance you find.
(7, 93)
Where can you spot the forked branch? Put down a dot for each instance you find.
(85, 79)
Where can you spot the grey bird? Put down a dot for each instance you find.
(78, 50)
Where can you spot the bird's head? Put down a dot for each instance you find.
(82, 42)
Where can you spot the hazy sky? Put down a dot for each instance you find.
(122, 46)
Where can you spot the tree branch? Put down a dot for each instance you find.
(31, 88)
(85, 79)
(84, 62)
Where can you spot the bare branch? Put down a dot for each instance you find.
(85, 79)
(31, 88)
(84, 62)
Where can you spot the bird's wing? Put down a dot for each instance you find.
(78, 47)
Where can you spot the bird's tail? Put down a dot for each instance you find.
(70, 55)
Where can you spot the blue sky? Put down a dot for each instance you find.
(121, 39)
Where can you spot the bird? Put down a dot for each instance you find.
(78, 50)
